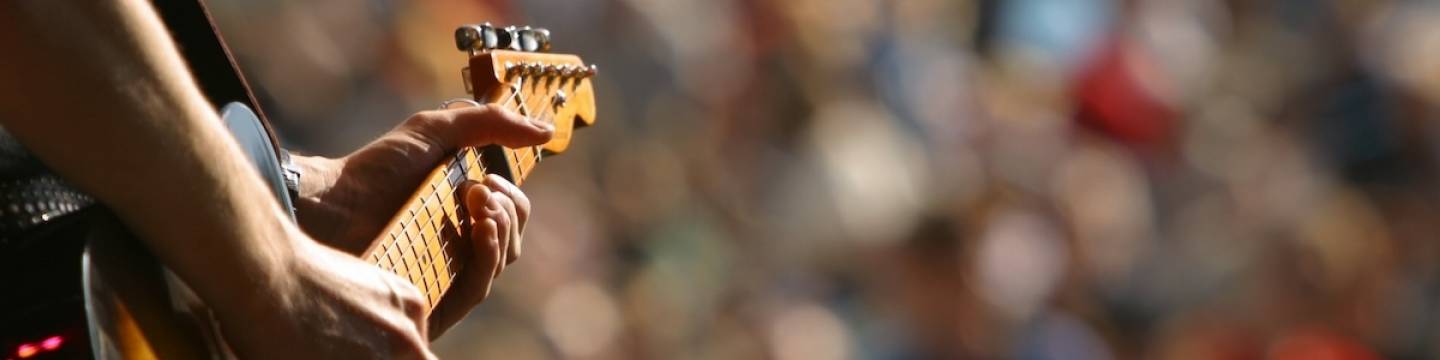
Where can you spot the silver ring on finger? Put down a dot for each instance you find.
(446, 105)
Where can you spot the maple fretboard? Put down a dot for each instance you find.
(423, 243)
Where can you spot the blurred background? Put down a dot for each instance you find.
(926, 179)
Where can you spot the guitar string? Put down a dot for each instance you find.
(433, 268)
(534, 151)
(524, 106)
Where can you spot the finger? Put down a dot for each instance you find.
(486, 207)
(506, 218)
(477, 197)
(476, 279)
(497, 212)
(489, 255)
(410, 301)
(411, 345)
(522, 211)
(406, 342)
(481, 125)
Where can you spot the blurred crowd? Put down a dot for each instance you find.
(922, 179)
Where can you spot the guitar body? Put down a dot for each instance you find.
(135, 308)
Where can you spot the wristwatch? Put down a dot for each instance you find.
(291, 175)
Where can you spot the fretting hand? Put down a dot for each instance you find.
(345, 202)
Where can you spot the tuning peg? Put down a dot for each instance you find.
(509, 38)
(525, 39)
(473, 38)
(542, 39)
(466, 37)
(592, 70)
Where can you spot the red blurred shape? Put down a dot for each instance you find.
(27, 350)
(1320, 344)
(52, 343)
(1112, 98)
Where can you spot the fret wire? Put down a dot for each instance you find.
(525, 107)
(432, 267)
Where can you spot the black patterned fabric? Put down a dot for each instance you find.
(29, 193)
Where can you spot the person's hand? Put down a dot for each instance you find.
(329, 305)
(497, 237)
(346, 202)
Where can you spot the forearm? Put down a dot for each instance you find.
(98, 92)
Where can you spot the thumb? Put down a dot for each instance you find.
(482, 125)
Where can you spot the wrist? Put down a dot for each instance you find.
(324, 206)
(318, 175)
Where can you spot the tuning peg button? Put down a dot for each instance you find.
(542, 39)
(526, 39)
(467, 37)
(472, 38)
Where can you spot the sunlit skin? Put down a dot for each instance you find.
(346, 201)
(278, 289)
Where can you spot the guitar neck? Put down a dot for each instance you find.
(422, 244)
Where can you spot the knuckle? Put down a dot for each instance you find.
(518, 198)
(492, 234)
(495, 109)
(502, 222)
(429, 128)
(507, 204)
(426, 117)
(409, 295)
(522, 206)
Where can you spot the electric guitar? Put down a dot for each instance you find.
(134, 308)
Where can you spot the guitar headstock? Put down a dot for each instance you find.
(512, 66)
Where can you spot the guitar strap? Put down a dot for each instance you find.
(211, 62)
